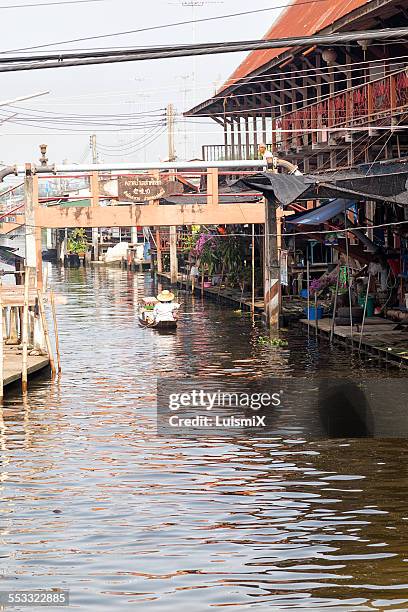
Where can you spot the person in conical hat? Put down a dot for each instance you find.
(165, 296)
(166, 309)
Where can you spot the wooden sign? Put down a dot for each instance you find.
(140, 188)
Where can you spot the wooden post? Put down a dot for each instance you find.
(308, 293)
(24, 375)
(247, 141)
(4, 323)
(212, 187)
(271, 267)
(349, 278)
(365, 312)
(263, 119)
(13, 328)
(159, 253)
(173, 255)
(30, 228)
(232, 128)
(45, 330)
(335, 307)
(393, 93)
(1, 354)
(279, 217)
(253, 269)
(95, 189)
(54, 318)
(222, 278)
(255, 132)
(95, 243)
(38, 277)
(239, 132)
(94, 180)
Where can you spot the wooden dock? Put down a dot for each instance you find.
(17, 333)
(385, 339)
(227, 296)
(292, 307)
(13, 365)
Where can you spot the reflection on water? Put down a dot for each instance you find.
(94, 501)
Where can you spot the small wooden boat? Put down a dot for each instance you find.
(146, 319)
(158, 325)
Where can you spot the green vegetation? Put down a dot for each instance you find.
(277, 342)
(77, 242)
(223, 254)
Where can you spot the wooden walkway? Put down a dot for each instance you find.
(226, 295)
(383, 338)
(13, 365)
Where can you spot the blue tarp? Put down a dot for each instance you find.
(322, 213)
(146, 251)
(8, 256)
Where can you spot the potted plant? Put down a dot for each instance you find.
(77, 242)
(77, 246)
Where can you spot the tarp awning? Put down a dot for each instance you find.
(201, 199)
(8, 256)
(381, 182)
(321, 213)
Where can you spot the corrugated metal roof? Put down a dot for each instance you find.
(303, 20)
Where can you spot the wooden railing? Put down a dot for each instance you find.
(229, 152)
(379, 101)
(376, 100)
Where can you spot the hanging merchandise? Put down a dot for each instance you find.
(284, 268)
(331, 239)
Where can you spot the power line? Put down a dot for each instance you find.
(81, 59)
(159, 112)
(131, 144)
(150, 139)
(386, 63)
(17, 6)
(115, 129)
(155, 112)
(74, 125)
(160, 27)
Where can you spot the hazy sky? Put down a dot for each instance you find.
(116, 89)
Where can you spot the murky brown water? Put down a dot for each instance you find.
(94, 501)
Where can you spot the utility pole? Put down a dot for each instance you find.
(94, 149)
(170, 132)
(95, 230)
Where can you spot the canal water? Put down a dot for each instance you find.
(93, 501)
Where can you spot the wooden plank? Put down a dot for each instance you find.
(151, 215)
(391, 344)
(14, 296)
(12, 365)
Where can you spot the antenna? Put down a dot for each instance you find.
(194, 5)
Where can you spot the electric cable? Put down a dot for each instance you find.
(71, 59)
(323, 71)
(163, 26)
